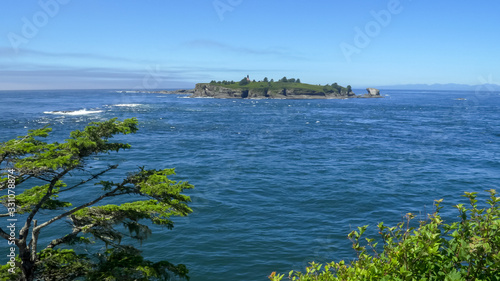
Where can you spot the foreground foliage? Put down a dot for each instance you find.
(465, 250)
(35, 173)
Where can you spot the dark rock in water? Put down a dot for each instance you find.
(176, 92)
(183, 92)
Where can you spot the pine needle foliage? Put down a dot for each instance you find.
(149, 197)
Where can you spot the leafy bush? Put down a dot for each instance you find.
(463, 250)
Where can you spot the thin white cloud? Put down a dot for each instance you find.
(11, 54)
(274, 51)
(25, 76)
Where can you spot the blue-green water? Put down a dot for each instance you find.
(280, 183)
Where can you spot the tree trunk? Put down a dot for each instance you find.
(28, 265)
(28, 255)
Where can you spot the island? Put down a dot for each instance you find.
(282, 89)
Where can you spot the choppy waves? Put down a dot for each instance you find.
(91, 111)
(287, 177)
(73, 112)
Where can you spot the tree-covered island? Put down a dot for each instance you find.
(282, 89)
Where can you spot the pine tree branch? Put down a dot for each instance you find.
(108, 194)
(19, 180)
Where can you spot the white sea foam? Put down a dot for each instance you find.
(73, 112)
(127, 104)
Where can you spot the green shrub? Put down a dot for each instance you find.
(464, 250)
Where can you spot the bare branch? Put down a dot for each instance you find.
(24, 231)
(64, 239)
(4, 234)
(95, 176)
(34, 240)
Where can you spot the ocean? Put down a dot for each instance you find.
(280, 183)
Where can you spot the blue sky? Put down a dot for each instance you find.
(153, 44)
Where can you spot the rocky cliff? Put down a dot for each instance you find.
(207, 90)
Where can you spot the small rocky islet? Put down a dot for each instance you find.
(282, 89)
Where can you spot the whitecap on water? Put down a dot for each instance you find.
(127, 104)
(73, 112)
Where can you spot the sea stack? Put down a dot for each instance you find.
(372, 93)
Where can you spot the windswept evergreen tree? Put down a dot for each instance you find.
(38, 172)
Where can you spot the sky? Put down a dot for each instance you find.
(163, 44)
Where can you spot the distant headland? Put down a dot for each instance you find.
(282, 89)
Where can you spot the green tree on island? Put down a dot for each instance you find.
(244, 82)
(35, 173)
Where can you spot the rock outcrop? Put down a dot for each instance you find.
(216, 91)
(207, 90)
(175, 92)
(372, 93)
